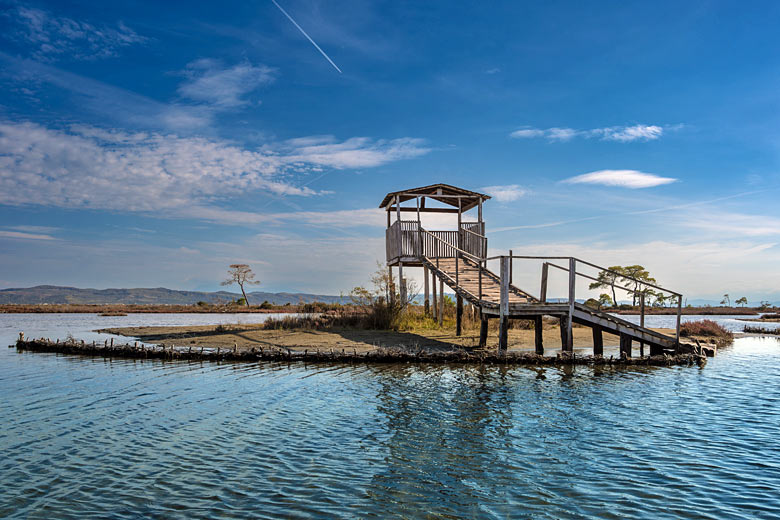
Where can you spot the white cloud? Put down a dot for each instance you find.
(508, 193)
(356, 152)
(624, 178)
(25, 236)
(167, 175)
(623, 134)
(525, 133)
(626, 134)
(57, 37)
(736, 224)
(209, 81)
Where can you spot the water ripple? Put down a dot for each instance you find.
(139, 438)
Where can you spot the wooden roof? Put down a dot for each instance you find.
(443, 193)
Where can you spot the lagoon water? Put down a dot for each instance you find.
(126, 439)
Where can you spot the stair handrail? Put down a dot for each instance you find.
(480, 260)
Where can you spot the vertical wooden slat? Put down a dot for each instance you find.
(483, 329)
(435, 300)
(543, 292)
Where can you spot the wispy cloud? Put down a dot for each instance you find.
(54, 37)
(167, 175)
(209, 81)
(25, 236)
(507, 193)
(356, 152)
(623, 178)
(307, 36)
(623, 134)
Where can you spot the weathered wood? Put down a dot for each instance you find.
(441, 301)
(572, 298)
(543, 292)
(598, 341)
(427, 210)
(539, 335)
(503, 334)
(435, 299)
(427, 291)
(483, 330)
(625, 345)
(564, 332)
(458, 315)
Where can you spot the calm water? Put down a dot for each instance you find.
(126, 439)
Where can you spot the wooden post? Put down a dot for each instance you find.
(401, 284)
(419, 233)
(625, 345)
(435, 299)
(543, 292)
(538, 335)
(427, 291)
(510, 267)
(679, 314)
(642, 322)
(503, 306)
(570, 318)
(441, 301)
(458, 315)
(598, 341)
(564, 334)
(483, 329)
(390, 284)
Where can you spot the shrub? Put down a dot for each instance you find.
(704, 328)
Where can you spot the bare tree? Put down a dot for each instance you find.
(242, 275)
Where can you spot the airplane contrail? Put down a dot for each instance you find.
(307, 36)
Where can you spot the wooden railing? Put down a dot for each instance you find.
(640, 285)
(406, 238)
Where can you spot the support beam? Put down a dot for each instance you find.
(503, 323)
(483, 330)
(564, 333)
(427, 291)
(625, 345)
(538, 335)
(441, 301)
(401, 283)
(459, 315)
(570, 317)
(656, 350)
(503, 334)
(543, 292)
(435, 298)
(598, 341)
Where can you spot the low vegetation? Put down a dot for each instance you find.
(706, 329)
(752, 329)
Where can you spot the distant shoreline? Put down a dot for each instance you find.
(120, 309)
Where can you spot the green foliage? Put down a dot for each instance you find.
(742, 301)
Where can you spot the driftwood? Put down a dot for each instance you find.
(381, 355)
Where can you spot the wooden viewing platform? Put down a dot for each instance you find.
(458, 259)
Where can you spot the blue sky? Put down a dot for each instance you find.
(142, 146)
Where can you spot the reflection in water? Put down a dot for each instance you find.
(134, 438)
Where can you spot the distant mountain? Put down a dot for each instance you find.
(157, 296)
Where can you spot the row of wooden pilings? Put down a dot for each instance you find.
(384, 355)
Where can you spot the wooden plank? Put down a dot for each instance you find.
(545, 272)
(435, 302)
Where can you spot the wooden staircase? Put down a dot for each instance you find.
(482, 288)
